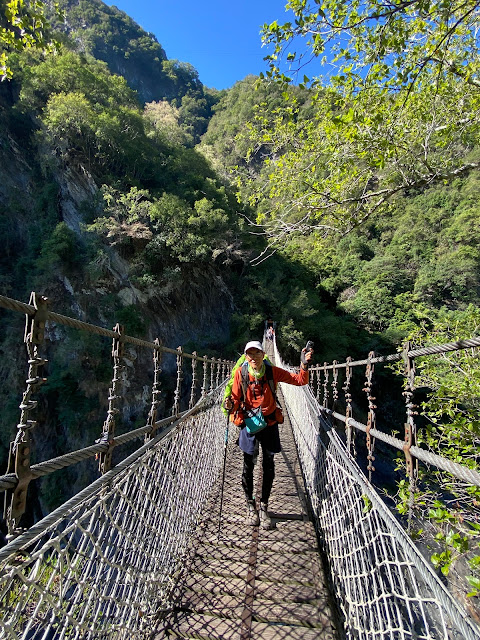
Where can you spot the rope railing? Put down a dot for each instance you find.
(411, 353)
(41, 469)
(104, 564)
(462, 472)
(413, 453)
(20, 472)
(73, 323)
(385, 588)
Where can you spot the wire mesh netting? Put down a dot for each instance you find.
(104, 564)
(384, 586)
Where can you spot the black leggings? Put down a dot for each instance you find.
(268, 474)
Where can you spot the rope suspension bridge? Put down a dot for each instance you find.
(144, 551)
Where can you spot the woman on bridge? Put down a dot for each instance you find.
(253, 399)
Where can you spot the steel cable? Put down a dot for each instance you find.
(384, 585)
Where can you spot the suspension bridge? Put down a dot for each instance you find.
(149, 550)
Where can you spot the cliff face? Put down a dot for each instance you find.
(110, 35)
(70, 132)
(193, 310)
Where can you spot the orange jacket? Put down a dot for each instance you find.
(260, 394)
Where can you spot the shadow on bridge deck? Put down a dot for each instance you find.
(247, 582)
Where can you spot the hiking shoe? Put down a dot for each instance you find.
(252, 514)
(265, 519)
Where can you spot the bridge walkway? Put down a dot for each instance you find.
(244, 582)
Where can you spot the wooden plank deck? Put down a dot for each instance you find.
(245, 582)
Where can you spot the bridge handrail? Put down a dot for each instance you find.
(37, 530)
(380, 576)
(28, 309)
(105, 564)
(408, 445)
(20, 472)
(462, 621)
(410, 353)
(460, 471)
(9, 480)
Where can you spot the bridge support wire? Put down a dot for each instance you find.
(384, 586)
(103, 564)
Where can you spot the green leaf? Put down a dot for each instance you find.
(367, 504)
(474, 582)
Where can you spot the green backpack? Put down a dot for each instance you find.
(228, 388)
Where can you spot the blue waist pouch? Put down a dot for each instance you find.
(254, 420)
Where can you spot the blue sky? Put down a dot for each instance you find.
(221, 39)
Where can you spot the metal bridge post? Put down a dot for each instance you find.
(212, 374)
(205, 372)
(194, 380)
(313, 380)
(410, 427)
(108, 432)
(317, 389)
(335, 385)
(348, 407)
(20, 449)
(217, 379)
(178, 387)
(152, 415)
(371, 414)
(325, 385)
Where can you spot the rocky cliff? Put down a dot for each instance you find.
(193, 308)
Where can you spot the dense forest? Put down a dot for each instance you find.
(132, 193)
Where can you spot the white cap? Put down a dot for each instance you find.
(254, 344)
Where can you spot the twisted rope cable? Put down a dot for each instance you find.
(386, 588)
(444, 348)
(458, 470)
(413, 353)
(16, 305)
(9, 481)
(37, 529)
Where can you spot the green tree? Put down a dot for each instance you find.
(223, 143)
(61, 248)
(107, 140)
(451, 429)
(70, 124)
(355, 155)
(400, 111)
(165, 119)
(388, 45)
(23, 25)
(69, 72)
(93, 119)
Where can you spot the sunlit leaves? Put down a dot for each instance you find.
(393, 45)
(396, 107)
(165, 119)
(22, 26)
(349, 158)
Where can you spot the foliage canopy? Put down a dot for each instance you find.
(23, 25)
(399, 110)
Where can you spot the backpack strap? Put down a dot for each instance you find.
(244, 379)
(271, 381)
(268, 375)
